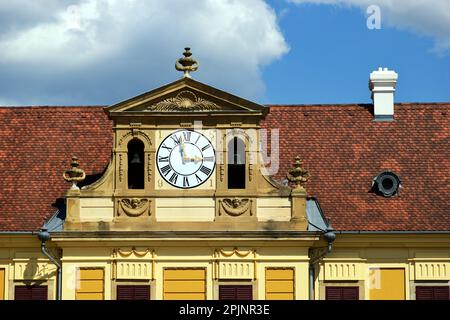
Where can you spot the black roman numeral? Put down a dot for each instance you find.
(205, 170)
(198, 179)
(165, 170)
(185, 182)
(208, 159)
(166, 147)
(176, 139)
(206, 147)
(187, 135)
(198, 138)
(163, 159)
(174, 178)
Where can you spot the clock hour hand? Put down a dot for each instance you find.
(195, 159)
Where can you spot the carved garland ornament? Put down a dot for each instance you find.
(134, 207)
(126, 254)
(235, 207)
(184, 101)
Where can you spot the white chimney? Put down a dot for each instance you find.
(382, 84)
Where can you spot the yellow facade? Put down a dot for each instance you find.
(186, 243)
(275, 267)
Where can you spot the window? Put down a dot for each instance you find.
(235, 292)
(236, 164)
(432, 293)
(133, 292)
(342, 293)
(135, 164)
(387, 284)
(386, 184)
(279, 284)
(30, 293)
(90, 284)
(185, 284)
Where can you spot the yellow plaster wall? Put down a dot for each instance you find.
(185, 209)
(276, 209)
(96, 209)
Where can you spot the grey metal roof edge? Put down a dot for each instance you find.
(314, 213)
(18, 232)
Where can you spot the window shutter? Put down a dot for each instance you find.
(227, 293)
(333, 293)
(235, 292)
(432, 293)
(342, 293)
(442, 293)
(142, 293)
(133, 292)
(244, 292)
(30, 293)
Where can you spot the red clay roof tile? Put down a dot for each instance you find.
(340, 144)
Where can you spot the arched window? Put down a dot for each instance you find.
(135, 164)
(236, 164)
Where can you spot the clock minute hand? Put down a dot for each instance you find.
(183, 150)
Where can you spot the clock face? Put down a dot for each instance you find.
(185, 159)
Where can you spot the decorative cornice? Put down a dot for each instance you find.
(184, 101)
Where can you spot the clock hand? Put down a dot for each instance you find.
(183, 150)
(195, 159)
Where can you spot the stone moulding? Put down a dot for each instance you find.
(134, 207)
(235, 207)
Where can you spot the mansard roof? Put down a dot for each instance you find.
(342, 147)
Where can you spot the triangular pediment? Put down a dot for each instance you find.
(185, 96)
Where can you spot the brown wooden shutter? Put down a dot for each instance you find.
(30, 293)
(342, 293)
(131, 292)
(236, 292)
(432, 293)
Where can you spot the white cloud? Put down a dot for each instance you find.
(98, 50)
(427, 17)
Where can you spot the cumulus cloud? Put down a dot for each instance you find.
(427, 17)
(102, 51)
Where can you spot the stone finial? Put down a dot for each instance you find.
(187, 64)
(298, 175)
(74, 174)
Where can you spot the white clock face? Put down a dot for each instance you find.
(185, 159)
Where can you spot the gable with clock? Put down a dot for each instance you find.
(186, 157)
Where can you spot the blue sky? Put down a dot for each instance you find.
(90, 52)
(333, 52)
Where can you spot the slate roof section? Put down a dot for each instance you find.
(343, 148)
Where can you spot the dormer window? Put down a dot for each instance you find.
(236, 164)
(135, 164)
(386, 184)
